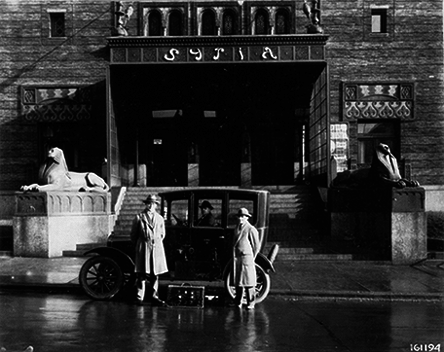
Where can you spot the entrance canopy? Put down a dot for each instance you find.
(214, 87)
(232, 88)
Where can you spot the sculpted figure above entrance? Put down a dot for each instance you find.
(55, 176)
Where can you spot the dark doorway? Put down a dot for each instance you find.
(273, 149)
(221, 103)
(219, 151)
(163, 149)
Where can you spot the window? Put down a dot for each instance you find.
(208, 23)
(282, 22)
(154, 24)
(177, 214)
(229, 23)
(261, 22)
(57, 23)
(370, 134)
(379, 21)
(175, 23)
(209, 214)
(233, 207)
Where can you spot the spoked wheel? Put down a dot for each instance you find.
(263, 285)
(101, 277)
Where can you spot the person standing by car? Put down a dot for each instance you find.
(245, 250)
(147, 234)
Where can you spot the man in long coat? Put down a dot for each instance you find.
(245, 249)
(147, 233)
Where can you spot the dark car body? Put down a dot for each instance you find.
(196, 250)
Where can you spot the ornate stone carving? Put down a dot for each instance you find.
(55, 176)
(62, 203)
(378, 101)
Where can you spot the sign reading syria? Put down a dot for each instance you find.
(217, 49)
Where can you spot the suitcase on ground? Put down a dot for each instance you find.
(186, 295)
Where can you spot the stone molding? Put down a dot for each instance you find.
(62, 204)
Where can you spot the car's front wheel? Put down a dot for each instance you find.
(263, 284)
(101, 277)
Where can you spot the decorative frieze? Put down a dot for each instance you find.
(378, 101)
(62, 203)
(56, 104)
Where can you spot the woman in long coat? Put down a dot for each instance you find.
(245, 249)
(147, 233)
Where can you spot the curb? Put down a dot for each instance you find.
(360, 295)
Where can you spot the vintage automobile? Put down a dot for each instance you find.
(195, 251)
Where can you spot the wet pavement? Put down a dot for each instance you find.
(51, 322)
(299, 279)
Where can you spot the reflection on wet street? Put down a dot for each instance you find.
(73, 323)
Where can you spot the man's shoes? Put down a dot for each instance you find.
(250, 306)
(157, 302)
(138, 302)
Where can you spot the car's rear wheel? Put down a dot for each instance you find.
(101, 277)
(263, 284)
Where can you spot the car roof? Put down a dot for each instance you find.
(213, 190)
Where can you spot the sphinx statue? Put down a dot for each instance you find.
(55, 176)
(384, 171)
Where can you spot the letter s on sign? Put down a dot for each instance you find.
(172, 55)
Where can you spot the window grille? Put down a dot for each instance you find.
(261, 22)
(57, 22)
(229, 23)
(282, 22)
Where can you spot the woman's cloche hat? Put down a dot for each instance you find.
(151, 199)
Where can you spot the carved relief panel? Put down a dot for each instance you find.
(378, 101)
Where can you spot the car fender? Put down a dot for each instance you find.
(264, 263)
(124, 261)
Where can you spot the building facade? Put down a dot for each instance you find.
(221, 93)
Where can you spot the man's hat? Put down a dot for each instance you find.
(243, 212)
(206, 204)
(151, 199)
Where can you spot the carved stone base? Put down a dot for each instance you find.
(46, 224)
(388, 224)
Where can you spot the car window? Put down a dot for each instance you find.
(209, 212)
(233, 207)
(178, 215)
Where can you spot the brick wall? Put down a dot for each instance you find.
(411, 51)
(29, 57)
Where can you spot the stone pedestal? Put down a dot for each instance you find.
(387, 224)
(47, 223)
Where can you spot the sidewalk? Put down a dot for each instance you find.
(301, 280)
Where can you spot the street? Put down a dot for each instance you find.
(63, 322)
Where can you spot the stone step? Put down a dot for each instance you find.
(435, 255)
(5, 253)
(88, 246)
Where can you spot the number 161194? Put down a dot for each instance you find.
(425, 347)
